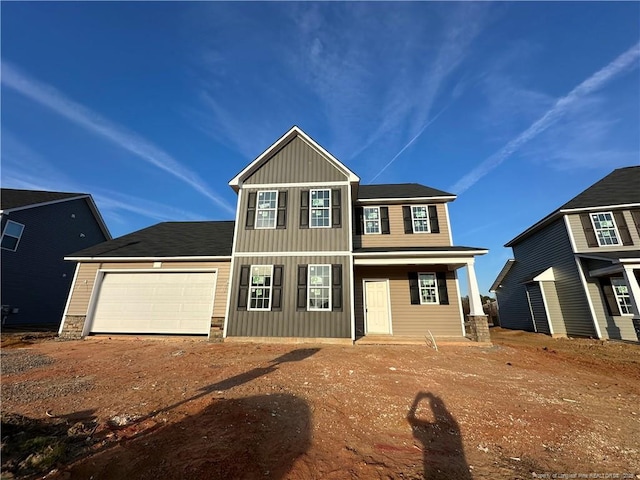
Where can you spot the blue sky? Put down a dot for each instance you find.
(154, 107)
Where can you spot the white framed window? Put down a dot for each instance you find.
(319, 287)
(372, 220)
(623, 297)
(260, 287)
(605, 228)
(420, 219)
(320, 209)
(266, 209)
(11, 235)
(428, 288)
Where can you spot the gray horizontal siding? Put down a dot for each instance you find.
(581, 239)
(553, 306)
(289, 322)
(549, 247)
(293, 238)
(296, 162)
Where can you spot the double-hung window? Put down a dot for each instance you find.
(11, 235)
(320, 211)
(319, 287)
(623, 297)
(371, 220)
(605, 229)
(428, 288)
(266, 209)
(260, 287)
(420, 218)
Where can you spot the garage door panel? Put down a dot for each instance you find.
(167, 302)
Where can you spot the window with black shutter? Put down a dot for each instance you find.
(621, 223)
(443, 294)
(336, 287)
(251, 211)
(609, 296)
(301, 298)
(278, 279)
(359, 220)
(433, 219)
(243, 292)
(384, 220)
(304, 209)
(589, 232)
(336, 208)
(414, 289)
(281, 220)
(406, 219)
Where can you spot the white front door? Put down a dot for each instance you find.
(376, 305)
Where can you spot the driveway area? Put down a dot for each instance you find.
(527, 407)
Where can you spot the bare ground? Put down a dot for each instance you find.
(527, 407)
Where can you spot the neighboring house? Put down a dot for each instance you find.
(576, 271)
(312, 254)
(38, 229)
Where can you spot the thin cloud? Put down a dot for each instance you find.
(51, 98)
(624, 62)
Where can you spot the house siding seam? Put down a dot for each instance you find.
(581, 239)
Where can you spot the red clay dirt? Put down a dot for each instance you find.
(527, 407)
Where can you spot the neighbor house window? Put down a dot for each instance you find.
(420, 219)
(11, 235)
(371, 220)
(260, 287)
(428, 288)
(266, 209)
(319, 287)
(320, 210)
(605, 229)
(621, 292)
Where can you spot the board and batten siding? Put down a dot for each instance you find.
(289, 322)
(296, 162)
(397, 237)
(581, 239)
(407, 319)
(84, 285)
(549, 247)
(293, 238)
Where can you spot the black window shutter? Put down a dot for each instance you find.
(414, 290)
(635, 214)
(359, 220)
(434, 226)
(301, 301)
(251, 211)
(610, 296)
(406, 217)
(587, 226)
(384, 220)
(243, 292)
(443, 294)
(336, 287)
(304, 209)
(623, 230)
(276, 294)
(281, 219)
(336, 208)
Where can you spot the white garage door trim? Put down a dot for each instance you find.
(100, 274)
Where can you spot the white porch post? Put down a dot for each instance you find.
(475, 302)
(634, 289)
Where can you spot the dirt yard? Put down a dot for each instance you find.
(119, 408)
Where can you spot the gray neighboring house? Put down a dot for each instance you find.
(576, 272)
(38, 229)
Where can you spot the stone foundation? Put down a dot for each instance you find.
(477, 328)
(216, 330)
(73, 326)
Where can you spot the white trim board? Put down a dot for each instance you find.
(276, 186)
(406, 200)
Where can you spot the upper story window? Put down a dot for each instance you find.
(319, 287)
(605, 229)
(420, 218)
(623, 297)
(371, 220)
(320, 211)
(260, 287)
(11, 235)
(428, 288)
(266, 209)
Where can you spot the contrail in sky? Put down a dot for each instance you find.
(51, 98)
(625, 61)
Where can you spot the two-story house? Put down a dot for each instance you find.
(38, 229)
(312, 254)
(576, 271)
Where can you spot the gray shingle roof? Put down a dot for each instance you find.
(620, 187)
(11, 198)
(416, 249)
(400, 190)
(169, 239)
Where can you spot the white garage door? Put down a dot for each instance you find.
(162, 302)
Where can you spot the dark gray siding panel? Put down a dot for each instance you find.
(550, 247)
(296, 162)
(536, 308)
(36, 278)
(293, 238)
(289, 322)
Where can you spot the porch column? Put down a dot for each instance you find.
(634, 296)
(476, 326)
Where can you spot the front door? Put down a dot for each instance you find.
(376, 306)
